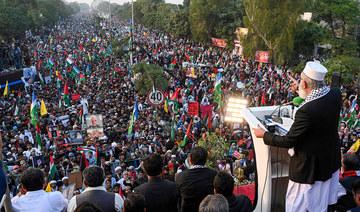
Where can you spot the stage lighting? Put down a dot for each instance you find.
(233, 109)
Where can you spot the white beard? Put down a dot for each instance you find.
(302, 92)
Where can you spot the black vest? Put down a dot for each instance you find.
(102, 199)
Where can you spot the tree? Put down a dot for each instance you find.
(217, 149)
(146, 75)
(342, 18)
(269, 29)
(13, 23)
(179, 23)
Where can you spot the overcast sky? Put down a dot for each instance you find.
(123, 1)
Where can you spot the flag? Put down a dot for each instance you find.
(60, 103)
(43, 110)
(50, 63)
(69, 62)
(175, 94)
(88, 70)
(82, 78)
(41, 79)
(263, 100)
(120, 193)
(33, 111)
(352, 114)
(217, 90)
(165, 106)
(48, 188)
(134, 117)
(172, 135)
(186, 136)
(81, 48)
(38, 137)
(74, 72)
(66, 95)
(84, 162)
(6, 90)
(89, 57)
(52, 171)
(96, 156)
(99, 84)
(81, 113)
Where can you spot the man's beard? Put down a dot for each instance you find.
(302, 92)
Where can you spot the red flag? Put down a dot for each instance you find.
(263, 100)
(86, 161)
(209, 123)
(39, 63)
(120, 193)
(81, 48)
(176, 94)
(66, 90)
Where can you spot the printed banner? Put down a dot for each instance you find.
(193, 108)
(218, 42)
(75, 97)
(76, 137)
(206, 110)
(262, 56)
(53, 131)
(94, 126)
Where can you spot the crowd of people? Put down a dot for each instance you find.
(76, 55)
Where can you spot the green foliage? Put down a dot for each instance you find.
(342, 18)
(344, 65)
(118, 46)
(146, 75)
(217, 149)
(179, 23)
(269, 29)
(308, 34)
(16, 16)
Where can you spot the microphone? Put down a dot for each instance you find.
(295, 102)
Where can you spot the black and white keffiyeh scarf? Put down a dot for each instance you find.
(315, 94)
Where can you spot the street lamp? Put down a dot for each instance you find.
(233, 109)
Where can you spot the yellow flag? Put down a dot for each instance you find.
(144, 33)
(6, 90)
(43, 110)
(57, 73)
(193, 71)
(89, 56)
(51, 41)
(93, 40)
(48, 188)
(243, 58)
(165, 107)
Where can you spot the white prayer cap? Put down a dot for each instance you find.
(118, 168)
(53, 181)
(315, 71)
(64, 178)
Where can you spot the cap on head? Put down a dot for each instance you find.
(315, 71)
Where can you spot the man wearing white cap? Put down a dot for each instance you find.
(314, 170)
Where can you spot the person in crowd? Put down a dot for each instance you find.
(160, 195)
(36, 199)
(196, 182)
(135, 202)
(88, 207)
(224, 184)
(214, 203)
(350, 169)
(96, 193)
(313, 169)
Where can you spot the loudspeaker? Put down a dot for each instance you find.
(336, 80)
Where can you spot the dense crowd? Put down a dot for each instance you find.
(108, 90)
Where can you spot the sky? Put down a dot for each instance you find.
(123, 1)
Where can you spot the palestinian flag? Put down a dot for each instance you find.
(38, 137)
(227, 66)
(52, 171)
(6, 90)
(33, 111)
(66, 95)
(69, 62)
(35, 55)
(88, 70)
(58, 82)
(173, 63)
(96, 156)
(99, 84)
(81, 113)
(50, 63)
(81, 48)
(82, 78)
(263, 100)
(186, 136)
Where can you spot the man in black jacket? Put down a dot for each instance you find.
(315, 159)
(160, 195)
(224, 184)
(196, 182)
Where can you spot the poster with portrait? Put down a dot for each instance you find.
(94, 126)
(38, 162)
(53, 131)
(76, 137)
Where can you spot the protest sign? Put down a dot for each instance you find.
(76, 137)
(193, 108)
(94, 126)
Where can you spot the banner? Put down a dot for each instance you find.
(53, 131)
(206, 110)
(75, 97)
(193, 108)
(76, 136)
(262, 56)
(218, 42)
(94, 126)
